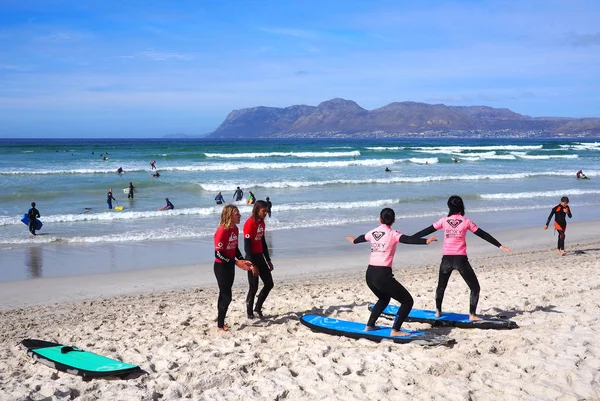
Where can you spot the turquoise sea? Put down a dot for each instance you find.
(314, 185)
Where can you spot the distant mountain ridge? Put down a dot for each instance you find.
(344, 118)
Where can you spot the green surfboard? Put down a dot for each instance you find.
(76, 361)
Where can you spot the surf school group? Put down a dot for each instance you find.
(379, 276)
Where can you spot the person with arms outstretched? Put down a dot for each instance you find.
(32, 215)
(226, 252)
(454, 252)
(560, 213)
(379, 276)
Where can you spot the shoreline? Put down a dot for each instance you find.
(170, 332)
(319, 259)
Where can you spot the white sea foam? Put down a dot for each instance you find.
(540, 194)
(459, 149)
(543, 157)
(384, 148)
(282, 154)
(426, 160)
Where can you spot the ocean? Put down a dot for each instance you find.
(315, 185)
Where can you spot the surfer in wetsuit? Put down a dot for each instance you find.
(110, 198)
(560, 213)
(153, 165)
(454, 252)
(120, 170)
(131, 190)
(226, 252)
(251, 198)
(269, 206)
(580, 175)
(32, 215)
(168, 206)
(219, 198)
(255, 246)
(238, 194)
(387, 170)
(380, 278)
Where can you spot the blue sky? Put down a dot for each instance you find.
(148, 68)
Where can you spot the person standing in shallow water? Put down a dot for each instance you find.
(255, 246)
(131, 190)
(379, 276)
(110, 198)
(226, 252)
(454, 252)
(32, 215)
(560, 213)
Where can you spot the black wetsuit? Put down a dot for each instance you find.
(238, 195)
(131, 191)
(560, 214)
(109, 199)
(269, 206)
(225, 274)
(264, 272)
(461, 264)
(33, 214)
(380, 280)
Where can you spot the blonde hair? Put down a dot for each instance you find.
(227, 216)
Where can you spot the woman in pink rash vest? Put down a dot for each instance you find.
(380, 278)
(454, 252)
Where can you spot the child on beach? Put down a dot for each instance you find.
(257, 252)
(226, 252)
(560, 212)
(454, 252)
(380, 278)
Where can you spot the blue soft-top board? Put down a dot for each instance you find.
(451, 319)
(38, 223)
(357, 330)
(76, 361)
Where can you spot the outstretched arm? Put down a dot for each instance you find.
(414, 240)
(488, 237)
(357, 240)
(424, 232)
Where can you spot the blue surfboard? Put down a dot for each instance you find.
(459, 320)
(356, 330)
(38, 223)
(76, 361)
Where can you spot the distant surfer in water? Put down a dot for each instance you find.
(131, 190)
(380, 278)
(238, 195)
(155, 175)
(153, 165)
(560, 213)
(120, 170)
(226, 252)
(32, 215)
(168, 206)
(219, 198)
(269, 206)
(255, 246)
(580, 175)
(454, 252)
(251, 198)
(110, 198)
(387, 170)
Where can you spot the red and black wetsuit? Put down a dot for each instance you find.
(257, 252)
(226, 250)
(560, 214)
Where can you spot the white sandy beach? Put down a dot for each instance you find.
(165, 322)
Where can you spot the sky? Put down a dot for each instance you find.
(146, 68)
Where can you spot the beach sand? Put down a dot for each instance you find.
(165, 322)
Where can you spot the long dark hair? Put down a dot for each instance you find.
(261, 204)
(456, 205)
(387, 216)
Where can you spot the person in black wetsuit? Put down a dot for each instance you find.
(109, 198)
(131, 190)
(560, 213)
(238, 194)
(33, 214)
(269, 206)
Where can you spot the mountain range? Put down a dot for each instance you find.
(344, 118)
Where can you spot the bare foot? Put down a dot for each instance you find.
(398, 333)
(438, 313)
(224, 328)
(563, 252)
(474, 318)
(370, 328)
(559, 251)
